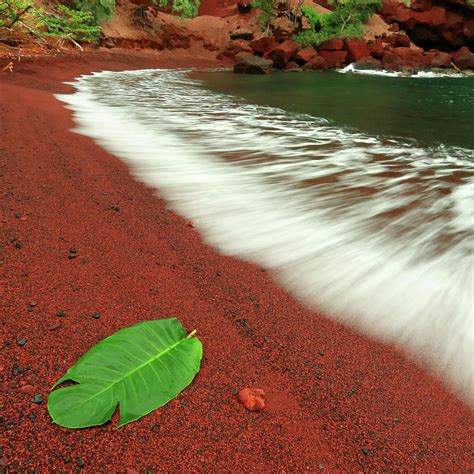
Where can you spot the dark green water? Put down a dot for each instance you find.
(428, 110)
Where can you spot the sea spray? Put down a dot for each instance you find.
(377, 233)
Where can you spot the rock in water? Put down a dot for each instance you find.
(246, 63)
(252, 398)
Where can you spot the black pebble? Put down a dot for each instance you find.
(365, 451)
(321, 353)
(17, 371)
(72, 250)
(60, 314)
(17, 215)
(38, 398)
(18, 245)
(21, 342)
(235, 392)
(243, 322)
(71, 256)
(96, 315)
(80, 462)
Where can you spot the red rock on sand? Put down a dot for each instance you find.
(252, 398)
(356, 49)
(27, 389)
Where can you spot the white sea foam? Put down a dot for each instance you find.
(377, 234)
(352, 68)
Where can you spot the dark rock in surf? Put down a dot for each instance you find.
(246, 63)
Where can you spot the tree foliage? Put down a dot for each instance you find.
(345, 21)
(184, 8)
(22, 15)
(267, 12)
(101, 10)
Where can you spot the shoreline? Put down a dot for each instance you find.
(336, 399)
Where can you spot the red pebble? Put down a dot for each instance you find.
(252, 398)
(27, 389)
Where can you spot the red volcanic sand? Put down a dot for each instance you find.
(335, 399)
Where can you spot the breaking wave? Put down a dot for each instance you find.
(376, 233)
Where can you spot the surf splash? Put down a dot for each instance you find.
(376, 233)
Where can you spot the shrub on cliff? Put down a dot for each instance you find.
(184, 8)
(267, 12)
(101, 10)
(344, 22)
(22, 16)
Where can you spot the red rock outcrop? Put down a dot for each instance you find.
(263, 44)
(333, 58)
(464, 59)
(356, 49)
(283, 54)
(441, 24)
(334, 44)
(305, 55)
(316, 64)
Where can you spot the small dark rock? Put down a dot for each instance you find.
(21, 342)
(73, 250)
(96, 315)
(243, 322)
(321, 353)
(17, 371)
(61, 314)
(18, 245)
(71, 256)
(80, 462)
(33, 304)
(38, 398)
(55, 326)
(244, 6)
(241, 34)
(365, 451)
(17, 215)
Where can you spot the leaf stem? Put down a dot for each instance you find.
(191, 334)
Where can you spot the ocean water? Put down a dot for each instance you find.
(363, 208)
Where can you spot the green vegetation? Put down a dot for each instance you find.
(67, 23)
(267, 12)
(184, 8)
(344, 22)
(21, 15)
(101, 10)
(141, 368)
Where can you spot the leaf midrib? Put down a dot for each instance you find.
(128, 374)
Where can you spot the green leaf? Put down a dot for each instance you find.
(141, 368)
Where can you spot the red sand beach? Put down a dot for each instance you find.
(336, 400)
